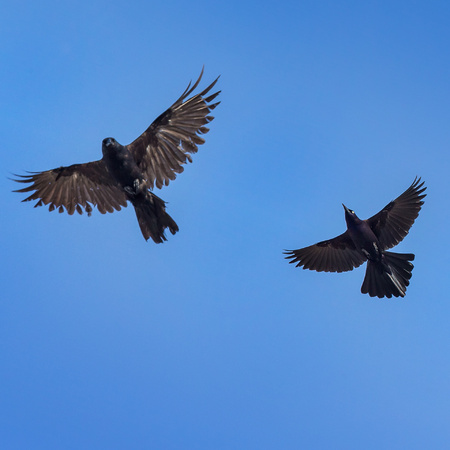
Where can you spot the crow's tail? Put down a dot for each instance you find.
(389, 277)
(152, 217)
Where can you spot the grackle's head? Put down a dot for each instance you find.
(350, 216)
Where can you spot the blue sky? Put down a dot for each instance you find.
(212, 340)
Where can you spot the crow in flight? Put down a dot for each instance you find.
(387, 273)
(130, 172)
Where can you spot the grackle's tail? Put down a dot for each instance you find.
(152, 217)
(390, 277)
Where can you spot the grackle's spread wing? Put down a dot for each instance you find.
(74, 188)
(393, 222)
(334, 255)
(167, 144)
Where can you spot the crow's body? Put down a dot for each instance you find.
(387, 273)
(130, 172)
(120, 162)
(150, 209)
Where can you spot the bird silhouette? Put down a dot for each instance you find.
(130, 172)
(387, 273)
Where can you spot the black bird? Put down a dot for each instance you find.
(130, 172)
(387, 273)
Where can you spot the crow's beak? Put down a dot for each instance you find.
(346, 209)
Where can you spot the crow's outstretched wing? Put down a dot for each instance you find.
(393, 222)
(166, 145)
(334, 255)
(74, 188)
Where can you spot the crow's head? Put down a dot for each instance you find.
(109, 142)
(109, 145)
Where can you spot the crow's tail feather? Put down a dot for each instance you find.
(390, 277)
(153, 218)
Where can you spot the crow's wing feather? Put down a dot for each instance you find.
(334, 255)
(75, 188)
(393, 222)
(166, 145)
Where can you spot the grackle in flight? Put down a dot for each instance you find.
(130, 172)
(387, 273)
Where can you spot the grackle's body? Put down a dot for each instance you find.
(387, 273)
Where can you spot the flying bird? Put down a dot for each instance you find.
(129, 173)
(387, 273)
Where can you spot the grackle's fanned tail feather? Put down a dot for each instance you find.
(390, 277)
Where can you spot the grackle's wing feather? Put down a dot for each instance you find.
(166, 145)
(393, 222)
(334, 255)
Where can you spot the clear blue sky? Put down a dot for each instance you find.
(212, 340)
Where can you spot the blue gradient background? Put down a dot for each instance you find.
(211, 340)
